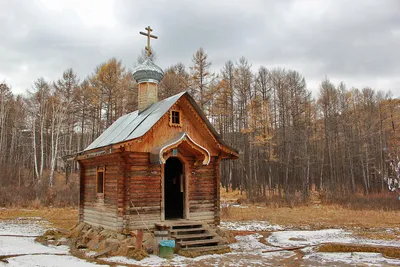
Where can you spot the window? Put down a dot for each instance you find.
(175, 118)
(100, 180)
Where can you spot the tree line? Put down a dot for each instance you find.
(290, 141)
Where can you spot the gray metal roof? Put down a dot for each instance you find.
(135, 124)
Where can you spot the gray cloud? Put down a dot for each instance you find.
(353, 41)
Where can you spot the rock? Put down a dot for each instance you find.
(51, 237)
(100, 246)
(137, 254)
(80, 245)
(121, 237)
(81, 242)
(111, 241)
(148, 243)
(79, 227)
(86, 227)
(94, 241)
(106, 251)
(108, 234)
(97, 229)
(226, 235)
(89, 234)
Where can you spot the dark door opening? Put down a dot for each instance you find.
(173, 188)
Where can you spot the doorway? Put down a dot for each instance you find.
(174, 188)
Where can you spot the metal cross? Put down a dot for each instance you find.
(149, 30)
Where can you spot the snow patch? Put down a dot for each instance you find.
(26, 245)
(251, 226)
(152, 260)
(302, 238)
(47, 261)
(23, 226)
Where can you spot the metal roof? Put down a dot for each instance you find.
(135, 124)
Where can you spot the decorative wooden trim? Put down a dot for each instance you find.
(100, 169)
(195, 146)
(171, 123)
(217, 193)
(82, 188)
(162, 194)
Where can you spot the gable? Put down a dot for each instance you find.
(133, 125)
(191, 123)
(142, 127)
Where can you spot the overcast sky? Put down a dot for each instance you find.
(355, 41)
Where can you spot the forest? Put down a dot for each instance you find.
(338, 141)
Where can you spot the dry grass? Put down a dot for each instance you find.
(377, 233)
(231, 195)
(64, 218)
(327, 216)
(194, 254)
(392, 252)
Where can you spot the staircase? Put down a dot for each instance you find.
(193, 236)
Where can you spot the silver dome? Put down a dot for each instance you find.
(148, 72)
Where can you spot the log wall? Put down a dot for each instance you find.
(143, 192)
(202, 193)
(101, 210)
(133, 185)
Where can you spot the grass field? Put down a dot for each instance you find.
(328, 216)
(64, 218)
(325, 216)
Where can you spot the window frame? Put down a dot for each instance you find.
(171, 116)
(100, 169)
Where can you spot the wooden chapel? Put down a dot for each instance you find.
(159, 163)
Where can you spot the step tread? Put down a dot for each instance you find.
(193, 236)
(206, 248)
(199, 242)
(177, 223)
(188, 226)
(188, 230)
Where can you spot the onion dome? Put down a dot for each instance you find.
(147, 72)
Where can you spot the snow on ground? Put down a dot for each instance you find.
(26, 245)
(33, 226)
(300, 238)
(47, 261)
(251, 226)
(247, 251)
(23, 242)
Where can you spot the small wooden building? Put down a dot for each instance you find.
(158, 163)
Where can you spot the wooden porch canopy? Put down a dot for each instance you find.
(182, 140)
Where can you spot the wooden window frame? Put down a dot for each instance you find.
(100, 169)
(171, 123)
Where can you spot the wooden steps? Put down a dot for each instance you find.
(185, 230)
(199, 242)
(193, 236)
(204, 249)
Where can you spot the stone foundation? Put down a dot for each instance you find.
(105, 243)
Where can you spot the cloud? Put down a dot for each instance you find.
(354, 41)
